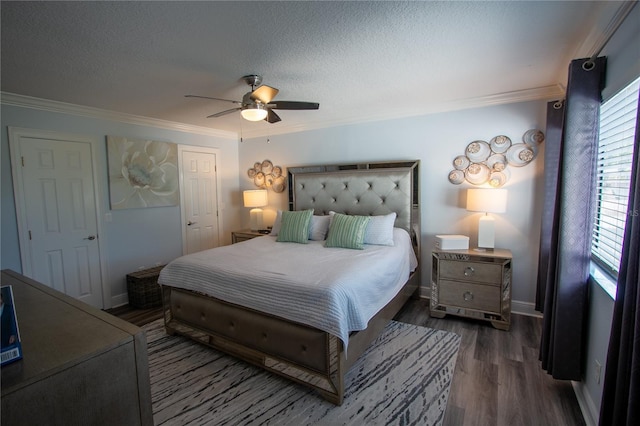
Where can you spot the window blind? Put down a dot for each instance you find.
(615, 153)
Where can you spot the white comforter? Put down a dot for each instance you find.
(333, 289)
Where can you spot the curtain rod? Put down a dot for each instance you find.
(619, 18)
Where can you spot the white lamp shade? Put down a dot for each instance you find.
(255, 198)
(487, 200)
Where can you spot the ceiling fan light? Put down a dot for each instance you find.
(254, 112)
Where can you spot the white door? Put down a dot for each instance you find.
(56, 206)
(199, 201)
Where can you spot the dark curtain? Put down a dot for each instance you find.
(621, 391)
(549, 240)
(567, 221)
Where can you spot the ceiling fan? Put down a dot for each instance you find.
(258, 104)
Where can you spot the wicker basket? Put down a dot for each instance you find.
(143, 289)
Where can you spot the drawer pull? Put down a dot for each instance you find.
(468, 271)
(467, 296)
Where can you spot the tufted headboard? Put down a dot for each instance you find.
(363, 189)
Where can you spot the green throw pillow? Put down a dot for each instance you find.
(347, 231)
(294, 227)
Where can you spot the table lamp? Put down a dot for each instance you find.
(486, 201)
(255, 199)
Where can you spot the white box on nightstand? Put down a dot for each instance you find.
(452, 242)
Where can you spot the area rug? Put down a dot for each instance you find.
(402, 379)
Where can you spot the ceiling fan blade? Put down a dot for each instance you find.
(272, 117)
(215, 99)
(294, 105)
(225, 112)
(264, 94)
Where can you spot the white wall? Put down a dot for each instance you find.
(134, 237)
(434, 140)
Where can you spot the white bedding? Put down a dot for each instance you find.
(333, 289)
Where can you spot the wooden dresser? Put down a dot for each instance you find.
(80, 366)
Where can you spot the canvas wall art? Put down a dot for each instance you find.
(142, 173)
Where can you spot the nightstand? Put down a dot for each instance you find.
(244, 235)
(472, 284)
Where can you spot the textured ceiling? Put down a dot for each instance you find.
(360, 60)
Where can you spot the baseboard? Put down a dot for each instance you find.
(119, 300)
(588, 408)
(524, 308)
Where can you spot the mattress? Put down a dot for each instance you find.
(336, 290)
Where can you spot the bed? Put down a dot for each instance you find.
(254, 316)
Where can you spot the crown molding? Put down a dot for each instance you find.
(533, 94)
(545, 93)
(23, 101)
(598, 38)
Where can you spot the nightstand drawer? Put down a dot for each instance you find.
(471, 271)
(472, 296)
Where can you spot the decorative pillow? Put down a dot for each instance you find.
(276, 224)
(318, 228)
(295, 226)
(347, 231)
(380, 230)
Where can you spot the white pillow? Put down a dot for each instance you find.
(276, 224)
(380, 230)
(318, 228)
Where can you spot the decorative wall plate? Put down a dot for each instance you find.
(461, 162)
(278, 184)
(477, 173)
(266, 167)
(497, 162)
(500, 144)
(258, 180)
(533, 137)
(478, 151)
(265, 175)
(268, 180)
(456, 176)
(520, 154)
(497, 179)
(488, 162)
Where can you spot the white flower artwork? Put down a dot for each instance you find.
(142, 173)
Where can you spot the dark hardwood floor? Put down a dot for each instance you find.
(498, 379)
(135, 316)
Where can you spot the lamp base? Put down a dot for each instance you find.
(486, 232)
(255, 221)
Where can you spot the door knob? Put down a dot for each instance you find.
(90, 238)
(191, 223)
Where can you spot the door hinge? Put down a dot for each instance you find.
(22, 159)
(29, 235)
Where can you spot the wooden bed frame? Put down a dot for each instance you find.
(299, 352)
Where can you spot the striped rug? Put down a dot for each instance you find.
(402, 379)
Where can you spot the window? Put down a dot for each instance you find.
(615, 153)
